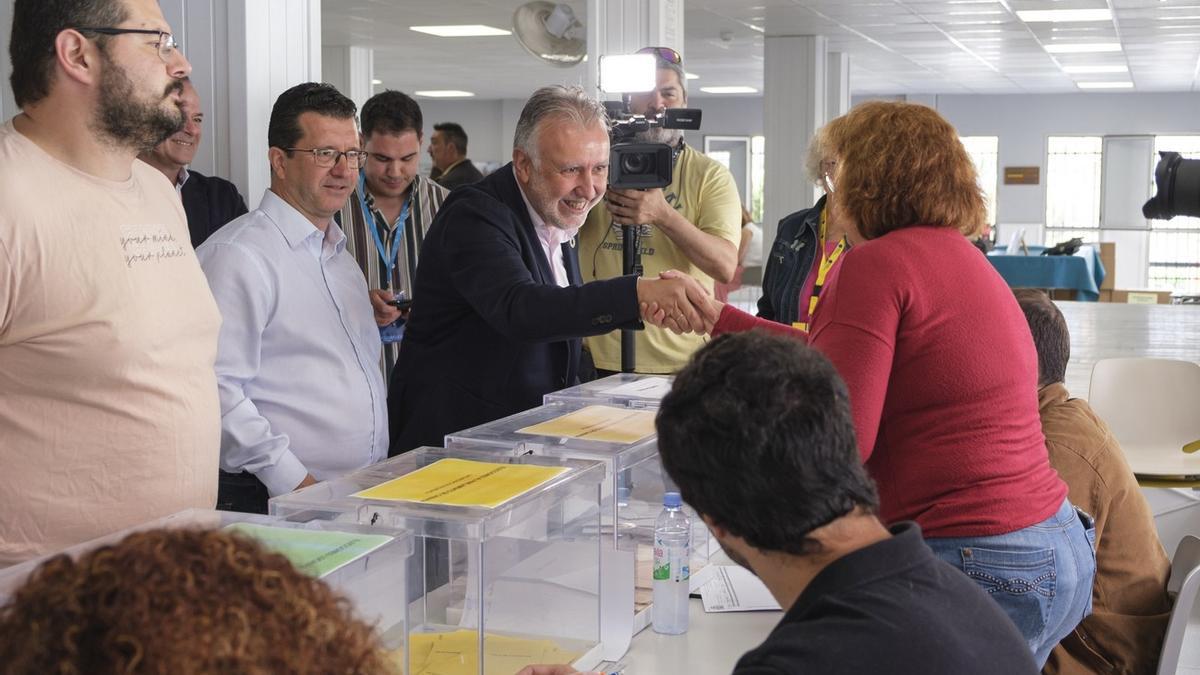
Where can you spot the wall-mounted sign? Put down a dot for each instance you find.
(1020, 175)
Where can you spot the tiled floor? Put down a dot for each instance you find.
(1102, 330)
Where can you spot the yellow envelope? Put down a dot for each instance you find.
(462, 482)
(598, 423)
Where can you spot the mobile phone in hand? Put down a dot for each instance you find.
(402, 304)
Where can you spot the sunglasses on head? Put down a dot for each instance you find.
(665, 53)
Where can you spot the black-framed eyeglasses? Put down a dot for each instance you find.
(664, 53)
(327, 157)
(167, 46)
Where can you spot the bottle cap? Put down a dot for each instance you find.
(672, 499)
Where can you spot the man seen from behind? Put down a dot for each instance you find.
(1130, 605)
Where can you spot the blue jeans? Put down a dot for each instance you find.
(1041, 575)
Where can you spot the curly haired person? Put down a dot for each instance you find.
(182, 602)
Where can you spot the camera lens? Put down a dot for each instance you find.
(635, 163)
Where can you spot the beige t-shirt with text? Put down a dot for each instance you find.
(108, 334)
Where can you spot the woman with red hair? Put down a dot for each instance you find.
(942, 370)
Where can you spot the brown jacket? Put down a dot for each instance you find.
(1130, 606)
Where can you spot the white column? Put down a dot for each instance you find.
(625, 26)
(793, 109)
(510, 113)
(244, 53)
(837, 85)
(8, 107)
(351, 70)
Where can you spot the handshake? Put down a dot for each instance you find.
(678, 303)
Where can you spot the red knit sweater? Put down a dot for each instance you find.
(942, 374)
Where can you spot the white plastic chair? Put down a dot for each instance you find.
(1178, 655)
(1152, 407)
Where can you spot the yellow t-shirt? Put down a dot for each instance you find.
(703, 192)
(108, 335)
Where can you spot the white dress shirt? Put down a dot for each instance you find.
(552, 238)
(298, 357)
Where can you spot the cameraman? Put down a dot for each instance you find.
(693, 225)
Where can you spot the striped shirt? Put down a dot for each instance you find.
(427, 198)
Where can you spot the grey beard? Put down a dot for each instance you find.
(659, 135)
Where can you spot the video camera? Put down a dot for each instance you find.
(633, 165)
(1178, 183)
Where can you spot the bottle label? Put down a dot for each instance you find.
(671, 563)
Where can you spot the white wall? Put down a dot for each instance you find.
(483, 121)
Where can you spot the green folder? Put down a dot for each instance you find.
(317, 553)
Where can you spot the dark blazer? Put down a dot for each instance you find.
(209, 202)
(490, 332)
(463, 173)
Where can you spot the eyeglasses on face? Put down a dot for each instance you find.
(327, 157)
(665, 53)
(167, 46)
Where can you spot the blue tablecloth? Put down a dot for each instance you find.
(1082, 272)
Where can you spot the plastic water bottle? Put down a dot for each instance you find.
(672, 553)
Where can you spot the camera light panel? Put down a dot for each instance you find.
(627, 73)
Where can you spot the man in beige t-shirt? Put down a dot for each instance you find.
(108, 332)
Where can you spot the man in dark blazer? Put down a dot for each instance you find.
(500, 307)
(448, 148)
(209, 202)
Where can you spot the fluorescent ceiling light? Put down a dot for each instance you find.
(466, 30)
(1041, 15)
(376, 81)
(1093, 70)
(1084, 48)
(1104, 85)
(444, 93)
(691, 76)
(729, 90)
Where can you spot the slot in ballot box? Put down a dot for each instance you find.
(627, 390)
(506, 564)
(624, 440)
(366, 565)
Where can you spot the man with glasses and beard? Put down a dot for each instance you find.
(108, 332)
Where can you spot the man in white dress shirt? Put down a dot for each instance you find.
(302, 397)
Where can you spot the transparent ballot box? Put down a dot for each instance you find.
(366, 565)
(623, 439)
(506, 564)
(628, 390)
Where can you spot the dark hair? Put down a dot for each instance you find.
(1050, 334)
(757, 433)
(35, 26)
(283, 131)
(391, 112)
(453, 133)
(182, 601)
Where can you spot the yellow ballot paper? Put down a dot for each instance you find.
(598, 423)
(457, 653)
(462, 482)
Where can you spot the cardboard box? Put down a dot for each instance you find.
(1140, 297)
(1106, 295)
(1108, 258)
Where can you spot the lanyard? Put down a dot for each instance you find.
(388, 256)
(826, 264)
